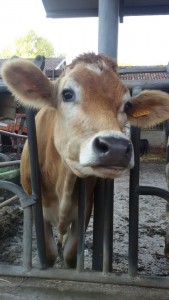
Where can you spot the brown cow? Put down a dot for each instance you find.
(79, 134)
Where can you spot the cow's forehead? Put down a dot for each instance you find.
(101, 83)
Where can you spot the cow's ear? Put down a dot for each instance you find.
(149, 108)
(27, 83)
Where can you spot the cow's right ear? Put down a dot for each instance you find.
(27, 83)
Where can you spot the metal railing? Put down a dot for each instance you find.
(102, 227)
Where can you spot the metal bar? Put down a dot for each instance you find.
(34, 168)
(9, 201)
(27, 232)
(134, 200)
(108, 27)
(141, 10)
(98, 223)
(108, 226)
(153, 191)
(147, 69)
(3, 132)
(148, 84)
(134, 206)
(95, 277)
(16, 189)
(9, 163)
(77, 13)
(81, 225)
(39, 61)
(27, 238)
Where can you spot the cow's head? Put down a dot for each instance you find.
(92, 106)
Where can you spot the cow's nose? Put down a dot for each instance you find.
(112, 151)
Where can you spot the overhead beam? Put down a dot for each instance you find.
(145, 10)
(75, 13)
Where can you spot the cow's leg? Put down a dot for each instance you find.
(67, 203)
(50, 245)
(50, 215)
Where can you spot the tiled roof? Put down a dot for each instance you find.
(125, 73)
(50, 63)
(145, 76)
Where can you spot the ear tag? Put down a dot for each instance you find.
(140, 113)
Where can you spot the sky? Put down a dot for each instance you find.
(142, 40)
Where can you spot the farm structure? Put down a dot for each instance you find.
(105, 192)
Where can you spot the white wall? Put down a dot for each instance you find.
(156, 138)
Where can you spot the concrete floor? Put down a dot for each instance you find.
(15, 288)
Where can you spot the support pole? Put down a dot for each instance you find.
(108, 27)
(81, 225)
(134, 199)
(108, 44)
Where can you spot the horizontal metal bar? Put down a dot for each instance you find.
(147, 84)
(87, 276)
(9, 163)
(9, 201)
(3, 132)
(73, 13)
(131, 70)
(153, 191)
(142, 10)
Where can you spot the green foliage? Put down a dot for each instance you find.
(29, 46)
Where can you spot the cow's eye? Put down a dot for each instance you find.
(68, 95)
(127, 107)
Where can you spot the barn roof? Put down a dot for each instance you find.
(144, 73)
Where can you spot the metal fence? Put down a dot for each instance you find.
(102, 226)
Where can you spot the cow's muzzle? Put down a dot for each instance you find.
(111, 151)
(108, 150)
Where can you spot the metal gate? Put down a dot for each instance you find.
(103, 220)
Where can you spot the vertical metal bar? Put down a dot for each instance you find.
(33, 156)
(81, 225)
(108, 226)
(134, 200)
(108, 27)
(27, 238)
(98, 221)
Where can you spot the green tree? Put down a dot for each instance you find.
(28, 46)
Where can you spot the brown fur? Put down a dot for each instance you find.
(66, 133)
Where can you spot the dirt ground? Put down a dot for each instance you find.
(152, 225)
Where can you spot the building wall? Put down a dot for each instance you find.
(156, 138)
(7, 106)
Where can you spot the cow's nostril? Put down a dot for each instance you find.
(112, 151)
(100, 146)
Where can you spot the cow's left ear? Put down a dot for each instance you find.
(27, 83)
(149, 108)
